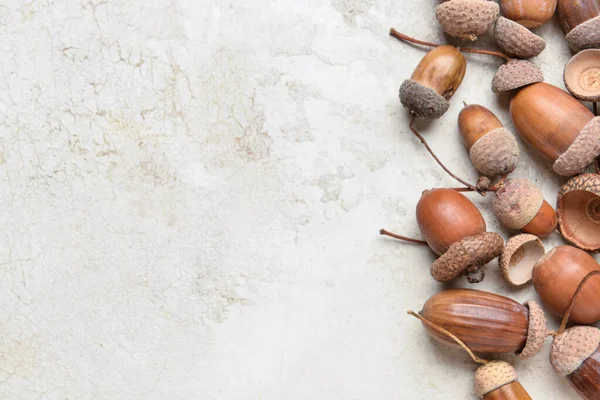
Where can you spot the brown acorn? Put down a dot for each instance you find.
(582, 75)
(516, 40)
(580, 20)
(529, 13)
(516, 74)
(467, 19)
(558, 126)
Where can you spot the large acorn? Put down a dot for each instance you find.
(580, 20)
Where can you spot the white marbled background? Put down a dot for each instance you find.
(190, 196)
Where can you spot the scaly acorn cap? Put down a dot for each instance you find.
(582, 152)
(492, 376)
(472, 251)
(572, 347)
(517, 202)
(536, 334)
(585, 36)
(516, 40)
(467, 19)
(518, 258)
(495, 153)
(578, 211)
(421, 101)
(515, 74)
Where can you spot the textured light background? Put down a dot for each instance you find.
(190, 194)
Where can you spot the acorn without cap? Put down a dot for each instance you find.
(516, 74)
(516, 40)
(434, 82)
(467, 19)
(578, 211)
(580, 20)
(493, 149)
(582, 75)
(558, 126)
(529, 13)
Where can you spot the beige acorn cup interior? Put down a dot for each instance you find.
(582, 75)
(518, 258)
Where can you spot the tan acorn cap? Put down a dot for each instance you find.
(578, 211)
(585, 36)
(582, 75)
(516, 40)
(467, 19)
(582, 152)
(495, 153)
(515, 74)
(518, 258)
(472, 251)
(537, 332)
(421, 101)
(492, 376)
(517, 202)
(572, 347)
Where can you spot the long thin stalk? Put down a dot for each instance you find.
(565, 320)
(399, 237)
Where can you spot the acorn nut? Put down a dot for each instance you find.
(467, 19)
(497, 380)
(516, 40)
(580, 20)
(518, 258)
(582, 75)
(516, 74)
(529, 13)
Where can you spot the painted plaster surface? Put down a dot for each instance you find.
(190, 196)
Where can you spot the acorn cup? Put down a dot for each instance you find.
(580, 20)
(582, 75)
(467, 19)
(516, 40)
(516, 74)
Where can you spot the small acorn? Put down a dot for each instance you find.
(582, 75)
(556, 277)
(519, 257)
(493, 149)
(558, 126)
(486, 322)
(516, 40)
(520, 205)
(498, 380)
(529, 13)
(516, 74)
(580, 20)
(578, 211)
(434, 82)
(467, 19)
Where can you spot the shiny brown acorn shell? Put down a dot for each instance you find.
(572, 13)
(529, 13)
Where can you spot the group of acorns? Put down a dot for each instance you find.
(563, 130)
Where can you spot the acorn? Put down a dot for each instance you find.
(487, 322)
(519, 257)
(580, 20)
(520, 205)
(516, 40)
(434, 82)
(467, 19)
(582, 75)
(578, 211)
(529, 13)
(493, 149)
(516, 74)
(558, 126)
(556, 277)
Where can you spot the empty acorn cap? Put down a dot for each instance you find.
(515, 74)
(579, 211)
(585, 36)
(572, 347)
(495, 153)
(518, 258)
(421, 101)
(492, 376)
(467, 256)
(582, 75)
(537, 331)
(467, 19)
(582, 152)
(516, 40)
(517, 202)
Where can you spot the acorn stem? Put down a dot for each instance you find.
(565, 320)
(422, 139)
(399, 237)
(450, 335)
(401, 36)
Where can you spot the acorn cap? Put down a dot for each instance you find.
(518, 258)
(516, 40)
(515, 74)
(582, 152)
(536, 334)
(582, 75)
(517, 202)
(467, 19)
(421, 101)
(572, 347)
(585, 36)
(472, 251)
(492, 376)
(495, 153)
(578, 211)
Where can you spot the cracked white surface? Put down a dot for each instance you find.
(191, 192)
